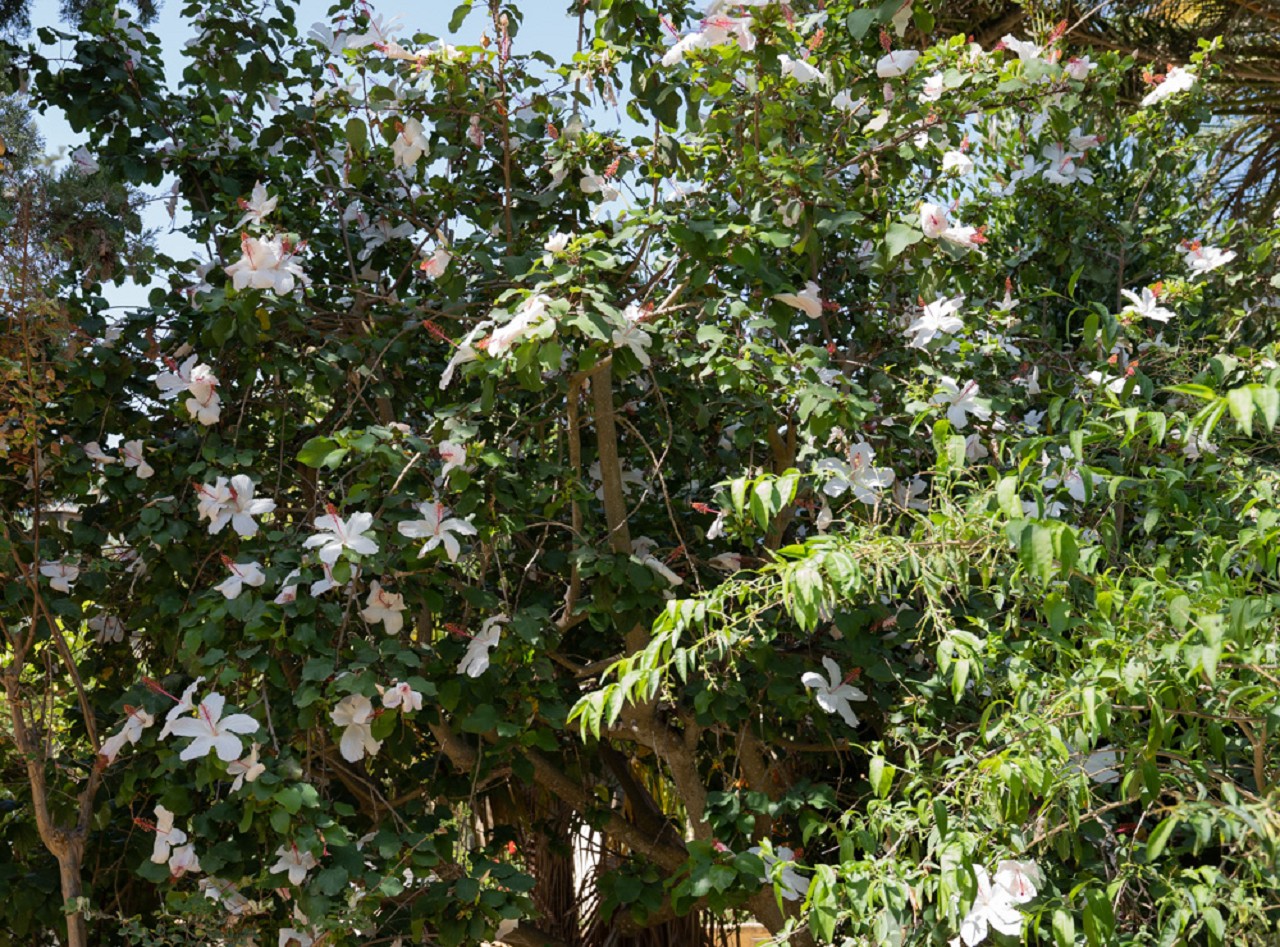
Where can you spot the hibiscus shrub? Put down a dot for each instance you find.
(787, 464)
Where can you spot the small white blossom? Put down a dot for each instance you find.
(727, 561)
(386, 607)
(335, 534)
(807, 300)
(595, 184)
(453, 455)
(132, 453)
(266, 264)
(906, 494)
(896, 63)
(937, 317)
(533, 312)
(136, 721)
(957, 163)
(934, 87)
(227, 895)
(858, 474)
(1146, 306)
(410, 144)
(400, 695)
(246, 770)
(437, 528)
(96, 454)
(1021, 879)
(167, 837)
(1026, 50)
(232, 502)
(961, 401)
(211, 732)
(178, 379)
(84, 163)
(435, 265)
(1079, 67)
(936, 224)
(204, 405)
(296, 863)
(846, 103)
(1070, 477)
(476, 661)
(289, 588)
(183, 860)
(1176, 80)
(1201, 259)
(1061, 167)
(833, 693)
(257, 207)
(992, 907)
(354, 714)
(61, 574)
(1113, 384)
(632, 336)
(718, 29)
(799, 70)
(242, 574)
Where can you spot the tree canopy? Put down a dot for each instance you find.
(789, 461)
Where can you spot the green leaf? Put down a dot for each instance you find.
(460, 13)
(1008, 498)
(1268, 401)
(1214, 922)
(738, 493)
(880, 775)
(481, 720)
(1075, 278)
(1159, 838)
(959, 677)
(1099, 919)
(1240, 401)
(331, 880)
(1203, 392)
(1089, 333)
(627, 888)
(1064, 929)
(314, 451)
(823, 903)
(357, 135)
(289, 799)
(859, 22)
(1065, 547)
(900, 236)
(280, 821)
(1035, 550)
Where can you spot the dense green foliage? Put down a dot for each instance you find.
(625, 498)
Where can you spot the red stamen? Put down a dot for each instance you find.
(155, 688)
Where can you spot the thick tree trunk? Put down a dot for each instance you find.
(65, 844)
(69, 863)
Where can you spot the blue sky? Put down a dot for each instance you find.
(546, 27)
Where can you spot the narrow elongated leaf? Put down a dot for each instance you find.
(1159, 838)
(1240, 401)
